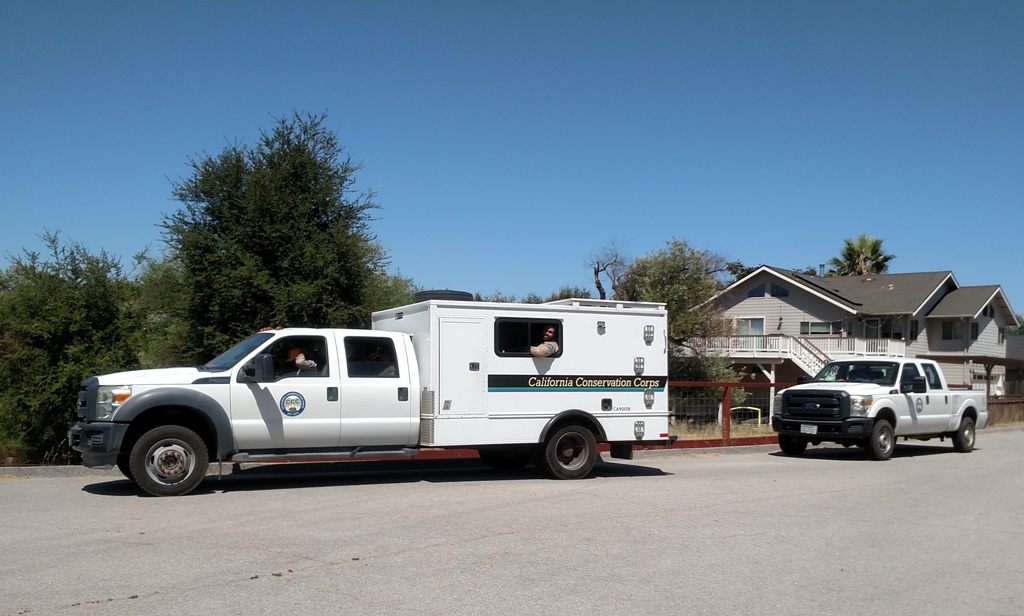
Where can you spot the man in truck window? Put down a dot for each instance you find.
(548, 345)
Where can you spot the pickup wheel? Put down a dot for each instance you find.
(882, 441)
(505, 459)
(792, 446)
(569, 453)
(963, 439)
(169, 461)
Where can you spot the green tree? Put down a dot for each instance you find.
(62, 319)
(860, 258)
(162, 338)
(389, 291)
(1015, 330)
(685, 279)
(274, 234)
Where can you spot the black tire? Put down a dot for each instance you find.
(510, 459)
(792, 446)
(882, 441)
(569, 453)
(124, 464)
(442, 294)
(963, 439)
(169, 461)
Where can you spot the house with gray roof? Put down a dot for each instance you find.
(788, 324)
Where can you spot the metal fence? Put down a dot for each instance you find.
(722, 414)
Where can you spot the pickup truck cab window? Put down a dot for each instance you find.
(910, 372)
(370, 357)
(299, 356)
(934, 379)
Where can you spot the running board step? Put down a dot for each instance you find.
(325, 456)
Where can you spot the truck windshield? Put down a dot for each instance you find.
(235, 354)
(878, 372)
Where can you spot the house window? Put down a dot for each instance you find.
(812, 328)
(914, 331)
(952, 330)
(778, 291)
(750, 327)
(757, 291)
(1002, 335)
(892, 328)
(872, 327)
(514, 337)
(974, 331)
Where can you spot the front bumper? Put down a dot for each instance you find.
(99, 442)
(848, 429)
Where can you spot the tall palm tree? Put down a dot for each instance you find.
(860, 258)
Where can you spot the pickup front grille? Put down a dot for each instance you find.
(813, 404)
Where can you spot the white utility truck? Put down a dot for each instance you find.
(433, 374)
(873, 402)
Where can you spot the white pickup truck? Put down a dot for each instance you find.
(872, 402)
(434, 374)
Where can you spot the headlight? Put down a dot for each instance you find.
(859, 405)
(777, 406)
(109, 399)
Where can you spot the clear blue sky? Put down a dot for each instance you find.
(507, 140)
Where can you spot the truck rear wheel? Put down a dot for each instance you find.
(569, 453)
(882, 441)
(963, 440)
(169, 461)
(792, 446)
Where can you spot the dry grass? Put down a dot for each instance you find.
(688, 431)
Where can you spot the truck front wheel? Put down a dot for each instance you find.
(569, 453)
(963, 440)
(169, 461)
(882, 441)
(792, 446)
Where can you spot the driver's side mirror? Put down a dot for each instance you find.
(917, 386)
(800, 380)
(259, 369)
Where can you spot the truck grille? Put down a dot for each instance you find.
(811, 404)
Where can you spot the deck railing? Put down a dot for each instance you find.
(781, 346)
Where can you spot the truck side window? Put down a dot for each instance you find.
(514, 337)
(934, 381)
(909, 373)
(370, 357)
(299, 356)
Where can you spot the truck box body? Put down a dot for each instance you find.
(483, 387)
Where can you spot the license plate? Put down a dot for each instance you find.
(808, 429)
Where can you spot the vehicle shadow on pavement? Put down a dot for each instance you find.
(857, 453)
(313, 475)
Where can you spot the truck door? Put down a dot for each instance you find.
(462, 367)
(300, 408)
(927, 412)
(938, 403)
(376, 406)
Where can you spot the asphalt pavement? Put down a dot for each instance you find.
(712, 532)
